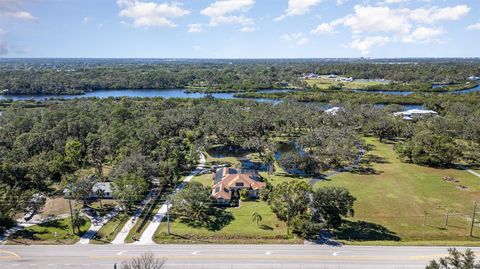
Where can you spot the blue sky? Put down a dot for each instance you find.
(239, 28)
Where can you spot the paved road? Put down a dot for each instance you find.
(220, 256)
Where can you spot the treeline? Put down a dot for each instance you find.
(57, 76)
(346, 96)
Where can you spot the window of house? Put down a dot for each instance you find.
(239, 184)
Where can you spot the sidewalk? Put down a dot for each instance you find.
(97, 224)
(147, 235)
(122, 235)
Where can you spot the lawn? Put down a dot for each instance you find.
(397, 200)
(324, 83)
(240, 229)
(44, 234)
(110, 230)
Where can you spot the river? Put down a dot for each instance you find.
(141, 93)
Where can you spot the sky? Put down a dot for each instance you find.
(239, 28)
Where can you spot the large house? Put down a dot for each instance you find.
(229, 180)
(414, 114)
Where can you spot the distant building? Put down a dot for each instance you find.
(332, 76)
(333, 111)
(414, 114)
(474, 78)
(227, 181)
(105, 187)
(310, 75)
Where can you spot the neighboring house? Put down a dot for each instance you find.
(229, 180)
(414, 114)
(474, 78)
(105, 186)
(333, 111)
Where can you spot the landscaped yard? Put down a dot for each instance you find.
(240, 229)
(402, 197)
(44, 234)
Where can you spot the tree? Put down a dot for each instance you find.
(243, 194)
(82, 188)
(128, 189)
(256, 217)
(146, 261)
(193, 203)
(268, 159)
(73, 153)
(455, 260)
(100, 195)
(329, 204)
(429, 148)
(289, 200)
(168, 172)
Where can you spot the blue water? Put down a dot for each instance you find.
(165, 93)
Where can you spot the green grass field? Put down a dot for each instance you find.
(325, 83)
(44, 234)
(241, 229)
(396, 199)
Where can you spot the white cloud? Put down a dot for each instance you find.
(475, 26)
(369, 19)
(247, 29)
(228, 12)
(148, 14)
(374, 26)
(13, 9)
(424, 35)
(435, 14)
(365, 44)
(87, 20)
(195, 28)
(196, 47)
(298, 7)
(297, 38)
(327, 28)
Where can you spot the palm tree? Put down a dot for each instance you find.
(256, 217)
(268, 159)
(100, 195)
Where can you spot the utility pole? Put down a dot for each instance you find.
(424, 218)
(168, 217)
(68, 194)
(446, 219)
(473, 217)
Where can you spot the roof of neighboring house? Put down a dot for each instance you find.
(333, 111)
(226, 178)
(414, 111)
(105, 186)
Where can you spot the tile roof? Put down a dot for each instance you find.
(227, 178)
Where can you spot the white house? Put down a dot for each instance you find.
(413, 114)
(473, 78)
(105, 187)
(333, 111)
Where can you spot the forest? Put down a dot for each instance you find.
(46, 147)
(76, 76)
